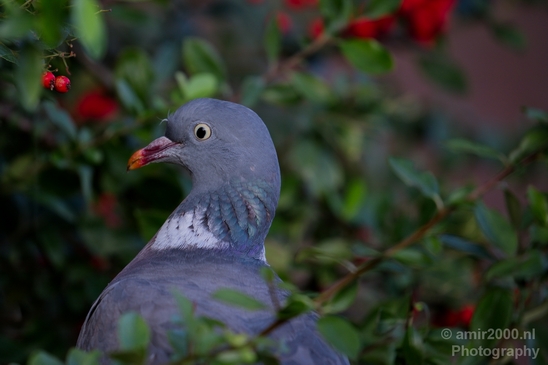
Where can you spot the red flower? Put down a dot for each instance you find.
(466, 313)
(284, 22)
(316, 28)
(426, 19)
(366, 28)
(300, 4)
(96, 105)
(105, 207)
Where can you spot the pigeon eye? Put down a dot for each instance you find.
(202, 131)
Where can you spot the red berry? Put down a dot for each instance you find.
(48, 80)
(62, 84)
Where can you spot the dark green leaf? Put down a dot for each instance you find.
(465, 246)
(50, 21)
(316, 166)
(539, 205)
(444, 73)
(341, 334)
(494, 310)
(535, 114)
(238, 299)
(128, 97)
(28, 76)
(295, 305)
(16, 22)
(496, 229)
(367, 55)
(244, 355)
(412, 347)
(43, 358)
(336, 14)
(424, 181)
(281, 94)
(179, 340)
(90, 26)
(311, 87)
(528, 266)
(133, 332)
(7, 54)
(465, 146)
(78, 357)
(252, 88)
(272, 41)
(378, 8)
(61, 119)
(513, 207)
(200, 57)
(535, 140)
(509, 35)
(134, 67)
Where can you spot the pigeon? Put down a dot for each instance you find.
(214, 239)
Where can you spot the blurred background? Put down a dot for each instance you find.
(343, 86)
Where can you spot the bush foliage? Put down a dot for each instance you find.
(381, 227)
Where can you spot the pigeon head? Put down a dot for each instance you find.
(228, 151)
(216, 141)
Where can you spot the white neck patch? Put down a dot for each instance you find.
(186, 231)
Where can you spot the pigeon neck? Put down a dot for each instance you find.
(233, 218)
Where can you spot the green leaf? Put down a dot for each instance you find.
(28, 76)
(281, 94)
(336, 14)
(342, 335)
(60, 118)
(311, 87)
(329, 251)
(535, 114)
(199, 56)
(496, 229)
(7, 54)
(535, 140)
(527, 266)
(378, 8)
(50, 21)
(16, 22)
(465, 246)
(539, 205)
(128, 97)
(43, 358)
(444, 73)
(412, 347)
(354, 198)
(343, 299)
(272, 40)
(252, 87)
(509, 35)
(179, 341)
(134, 67)
(513, 207)
(367, 55)
(295, 305)
(465, 146)
(424, 181)
(201, 85)
(133, 332)
(78, 357)
(316, 166)
(238, 299)
(494, 310)
(90, 26)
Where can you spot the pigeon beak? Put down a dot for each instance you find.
(155, 151)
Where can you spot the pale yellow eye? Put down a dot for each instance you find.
(202, 131)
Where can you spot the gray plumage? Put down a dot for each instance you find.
(214, 238)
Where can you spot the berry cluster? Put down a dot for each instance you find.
(60, 83)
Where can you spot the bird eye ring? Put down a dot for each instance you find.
(202, 131)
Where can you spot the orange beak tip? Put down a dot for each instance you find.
(135, 161)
